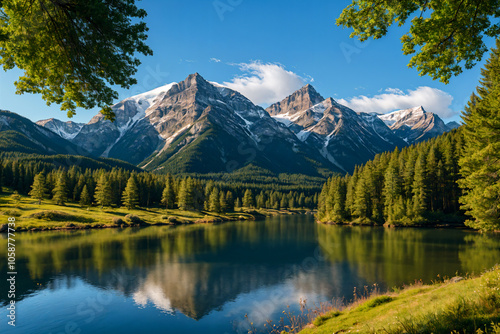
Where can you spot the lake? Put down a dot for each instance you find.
(205, 278)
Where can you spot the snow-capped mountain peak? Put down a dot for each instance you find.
(407, 114)
(145, 100)
(415, 124)
(200, 126)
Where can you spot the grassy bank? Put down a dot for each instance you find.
(48, 216)
(458, 305)
(437, 220)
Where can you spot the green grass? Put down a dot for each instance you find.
(468, 306)
(49, 216)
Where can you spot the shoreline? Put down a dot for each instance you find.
(458, 226)
(63, 220)
(417, 306)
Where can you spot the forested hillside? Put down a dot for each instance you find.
(413, 186)
(108, 182)
(434, 180)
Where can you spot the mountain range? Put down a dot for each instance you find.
(197, 126)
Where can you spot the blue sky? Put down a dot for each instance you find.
(266, 50)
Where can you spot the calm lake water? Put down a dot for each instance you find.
(205, 278)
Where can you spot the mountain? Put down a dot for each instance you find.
(68, 130)
(210, 128)
(342, 136)
(304, 98)
(19, 134)
(416, 124)
(453, 125)
(131, 137)
(195, 126)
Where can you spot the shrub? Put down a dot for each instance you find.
(134, 219)
(55, 216)
(118, 221)
(324, 317)
(173, 220)
(374, 302)
(12, 213)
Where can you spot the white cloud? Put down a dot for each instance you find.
(215, 60)
(432, 99)
(265, 83)
(394, 91)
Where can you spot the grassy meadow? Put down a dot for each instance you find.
(457, 305)
(49, 216)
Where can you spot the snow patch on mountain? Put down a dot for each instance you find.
(287, 119)
(67, 130)
(248, 125)
(324, 152)
(320, 107)
(303, 135)
(4, 121)
(144, 100)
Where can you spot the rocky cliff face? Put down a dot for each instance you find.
(303, 99)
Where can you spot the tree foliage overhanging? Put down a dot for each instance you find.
(73, 51)
(445, 36)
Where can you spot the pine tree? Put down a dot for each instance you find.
(338, 192)
(409, 173)
(185, 197)
(261, 200)
(78, 188)
(39, 188)
(392, 190)
(208, 190)
(103, 193)
(450, 191)
(302, 200)
(362, 197)
(230, 201)
(222, 202)
(168, 195)
(214, 201)
(130, 197)
(480, 163)
(432, 163)
(237, 204)
(85, 199)
(324, 198)
(420, 186)
(283, 202)
(351, 192)
(61, 190)
(248, 200)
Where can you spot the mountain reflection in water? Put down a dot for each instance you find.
(215, 274)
